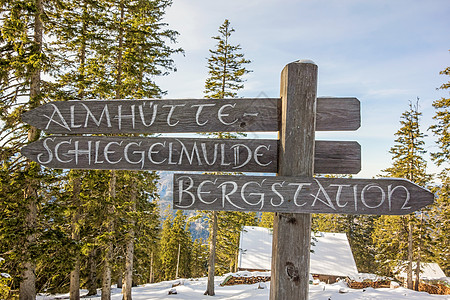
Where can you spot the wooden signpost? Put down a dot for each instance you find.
(293, 195)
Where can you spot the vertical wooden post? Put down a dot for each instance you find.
(292, 232)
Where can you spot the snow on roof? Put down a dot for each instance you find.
(332, 254)
(427, 271)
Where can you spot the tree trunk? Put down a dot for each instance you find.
(417, 271)
(75, 227)
(130, 247)
(27, 287)
(150, 276)
(75, 280)
(178, 261)
(120, 280)
(119, 88)
(419, 248)
(106, 278)
(212, 255)
(82, 52)
(92, 277)
(409, 281)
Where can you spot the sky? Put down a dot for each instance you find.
(383, 52)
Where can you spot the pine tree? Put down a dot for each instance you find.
(226, 68)
(441, 209)
(22, 63)
(408, 163)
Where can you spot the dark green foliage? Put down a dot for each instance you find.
(407, 153)
(405, 238)
(441, 216)
(441, 209)
(442, 127)
(226, 66)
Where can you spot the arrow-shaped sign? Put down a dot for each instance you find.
(182, 154)
(299, 195)
(189, 115)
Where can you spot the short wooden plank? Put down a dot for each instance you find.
(338, 114)
(182, 115)
(337, 157)
(178, 154)
(387, 196)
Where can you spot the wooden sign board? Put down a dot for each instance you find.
(298, 195)
(178, 154)
(189, 115)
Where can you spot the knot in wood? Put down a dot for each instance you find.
(292, 272)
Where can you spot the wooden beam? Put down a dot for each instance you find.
(291, 231)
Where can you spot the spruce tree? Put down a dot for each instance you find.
(408, 163)
(226, 68)
(441, 209)
(22, 62)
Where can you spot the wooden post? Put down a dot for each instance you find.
(292, 232)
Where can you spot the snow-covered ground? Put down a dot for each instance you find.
(194, 288)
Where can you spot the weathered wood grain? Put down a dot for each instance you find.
(144, 153)
(292, 231)
(183, 115)
(173, 154)
(386, 196)
(337, 157)
(338, 114)
(155, 116)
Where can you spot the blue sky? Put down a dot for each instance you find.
(385, 53)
